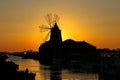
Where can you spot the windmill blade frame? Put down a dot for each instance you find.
(48, 18)
(55, 18)
(43, 28)
(51, 20)
(46, 37)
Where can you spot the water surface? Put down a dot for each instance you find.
(43, 73)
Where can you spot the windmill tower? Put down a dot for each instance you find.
(54, 31)
(52, 48)
(55, 34)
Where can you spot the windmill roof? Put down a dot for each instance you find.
(55, 26)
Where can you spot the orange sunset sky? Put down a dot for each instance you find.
(95, 21)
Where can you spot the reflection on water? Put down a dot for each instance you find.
(44, 73)
(78, 76)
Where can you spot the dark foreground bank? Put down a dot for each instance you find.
(9, 71)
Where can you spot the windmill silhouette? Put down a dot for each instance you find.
(54, 32)
(52, 48)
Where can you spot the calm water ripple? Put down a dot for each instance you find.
(43, 73)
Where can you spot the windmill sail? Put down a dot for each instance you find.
(54, 31)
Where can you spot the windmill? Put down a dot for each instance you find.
(53, 31)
